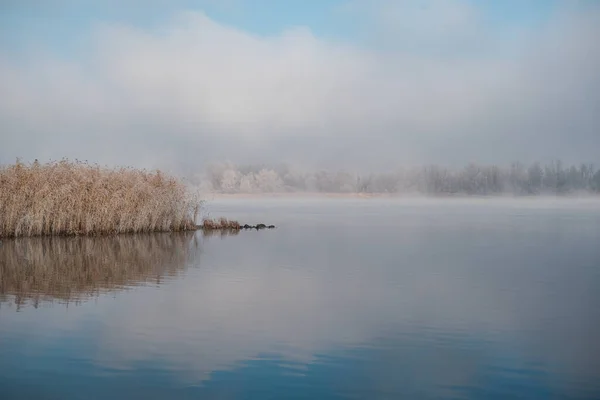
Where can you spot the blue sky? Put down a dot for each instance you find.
(62, 25)
(311, 82)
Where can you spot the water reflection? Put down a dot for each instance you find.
(33, 270)
(490, 304)
(222, 233)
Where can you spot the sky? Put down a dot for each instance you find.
(361, 84)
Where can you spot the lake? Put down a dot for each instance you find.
(347, 298)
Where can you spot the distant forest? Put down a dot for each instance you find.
(516, 179)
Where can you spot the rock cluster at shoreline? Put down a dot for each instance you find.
(257, 227)
(210, 225)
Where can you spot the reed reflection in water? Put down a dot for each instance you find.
(72, 269)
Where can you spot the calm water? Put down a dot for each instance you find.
(346, 299)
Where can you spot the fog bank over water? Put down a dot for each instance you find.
(189, 90)
(516, 179)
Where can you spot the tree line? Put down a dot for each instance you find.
(473, 179)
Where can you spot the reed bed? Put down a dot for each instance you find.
(76, 198)
(73, 269)
(220, 224)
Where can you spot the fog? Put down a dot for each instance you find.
(436, 84)
(473, 179)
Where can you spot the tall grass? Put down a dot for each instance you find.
(76, 198)
(220, 224)
(73, 269)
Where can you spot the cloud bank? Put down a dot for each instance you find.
(426, 84)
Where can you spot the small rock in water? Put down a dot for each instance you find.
(246, 226)
(271, 226)
(261, 226)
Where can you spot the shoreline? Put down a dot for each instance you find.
(399, 196)
(295, 195)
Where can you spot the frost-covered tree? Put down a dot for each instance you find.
(595, 184)
(268, 181)
(294, 181)
(344, 182)
(473, 179)
(248, 183)
(535, 176)
(230, 181)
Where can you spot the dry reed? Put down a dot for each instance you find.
(71, 269)
(76, 198)
(221, 223)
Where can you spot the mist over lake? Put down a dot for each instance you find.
(347, 298)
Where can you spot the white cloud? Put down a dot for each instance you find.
(195, 90)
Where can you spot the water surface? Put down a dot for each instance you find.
(347, 298)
